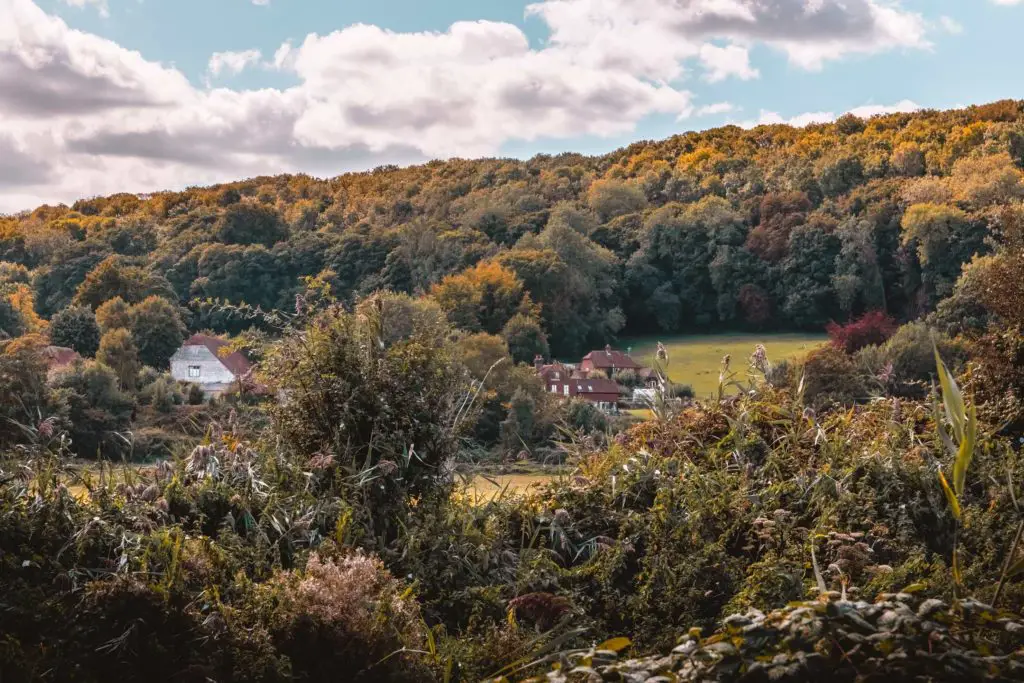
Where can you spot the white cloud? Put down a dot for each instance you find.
(807, 118)
(716, 108)
(83, 115)
(652, 36)
(1008, 2)
(232, 62)
(722, 62)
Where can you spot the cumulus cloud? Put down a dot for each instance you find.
(83, 115)
(651, 36)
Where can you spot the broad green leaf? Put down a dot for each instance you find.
(914, 588)
(952, 398)
(615, 644)
(966, 453)
(954, 503)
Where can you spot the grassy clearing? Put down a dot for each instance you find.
(484, 487)
(696, 359)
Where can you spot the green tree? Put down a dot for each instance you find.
(525, 339)
(157, 329)
(75, 327)
(113, 315)
(115, 278)
(99, 411)
(250, 223)
(118, 352)
(26, 402)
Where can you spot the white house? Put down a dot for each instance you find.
(200, 361)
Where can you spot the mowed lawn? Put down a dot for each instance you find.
(697, 359)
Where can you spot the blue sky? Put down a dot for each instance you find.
(210, 94)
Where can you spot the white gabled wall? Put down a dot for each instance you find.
(212, 372)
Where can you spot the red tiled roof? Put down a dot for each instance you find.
(608, 358)
(594, 386)
(235, 361)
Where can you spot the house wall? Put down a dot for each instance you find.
(214, 377)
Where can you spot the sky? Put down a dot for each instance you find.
(104, 96)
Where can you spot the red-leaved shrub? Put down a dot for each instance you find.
(872, 328)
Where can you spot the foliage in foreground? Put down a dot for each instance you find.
(328, 545)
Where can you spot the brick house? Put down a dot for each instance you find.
(568, 382)
(608, 361)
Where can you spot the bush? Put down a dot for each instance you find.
(100, 413)
(871, 329)
(911, 352)
(347, 616)
(387, 417)
(163, 394)
(830, 378)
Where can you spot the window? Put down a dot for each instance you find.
(554, 388)
(194, 370)
(566, 388)
(556, 375)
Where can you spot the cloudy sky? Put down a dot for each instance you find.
(100, 96)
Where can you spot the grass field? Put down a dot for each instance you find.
(696, 360)
(484, 487)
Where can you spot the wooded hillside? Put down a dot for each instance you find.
(728, 228)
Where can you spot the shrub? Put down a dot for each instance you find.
(100, 413)
(831, 378)
(911, 351)
(387, 416)
(873, 328)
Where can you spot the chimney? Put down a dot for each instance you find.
(608, 349)
(538, 361)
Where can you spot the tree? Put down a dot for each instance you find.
(611, 197)
(483, 298)
(114, 278)
(525, 339)
(99, 411)
(157, 329)
(75, 327)
(26, 402)
(113, 315)
(250, 223)
(117, 351)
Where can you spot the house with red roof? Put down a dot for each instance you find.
(204, 360)
(569, 382)
(608, 361)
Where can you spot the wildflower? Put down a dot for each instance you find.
(759, 359)
(47, 427)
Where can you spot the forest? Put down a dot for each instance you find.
(856, 513)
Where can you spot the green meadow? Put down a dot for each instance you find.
(697, 359)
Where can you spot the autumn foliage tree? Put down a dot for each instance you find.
(483, 298)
